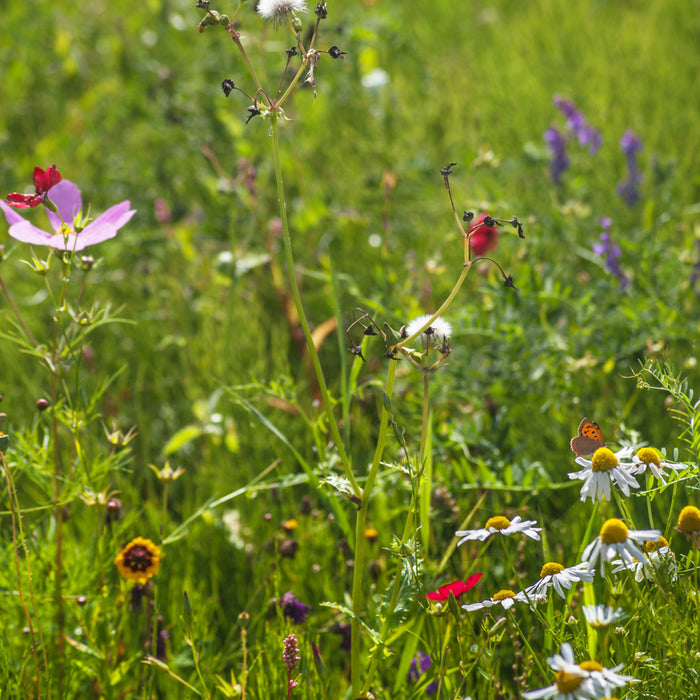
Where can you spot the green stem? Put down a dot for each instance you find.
(358, 574)
(325, 396)
(445, 305)
(18, 315)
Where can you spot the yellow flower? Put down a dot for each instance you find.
(139, 560)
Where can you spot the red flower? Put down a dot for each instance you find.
(456, 588)
(44, 180)
(483, 238)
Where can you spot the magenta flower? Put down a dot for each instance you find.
(456, 588)
(69, 230)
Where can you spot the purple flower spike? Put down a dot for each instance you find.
(611, 252)
(576, 122)
(631, 144)
(557, 144)
(68, 233)
(628, 189)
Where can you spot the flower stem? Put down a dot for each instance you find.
(18, 315)
(289, 254)
(358, 574)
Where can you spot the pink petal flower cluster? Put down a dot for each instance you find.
(66, 198)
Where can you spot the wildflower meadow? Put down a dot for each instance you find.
(350, 350)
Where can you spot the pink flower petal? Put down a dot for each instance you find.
(10, 214)
(26, 232)
(66, 196)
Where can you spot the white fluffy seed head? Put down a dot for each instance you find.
(442, 329)
(275, 10)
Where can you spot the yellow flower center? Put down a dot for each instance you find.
(649, 455)
(502, 595)
(567, 682)
(689, 519)
(551, 568)
(604, 460)
(614, 531)
(590, 666)
(498, 522)
(652, 546)
(64, 230)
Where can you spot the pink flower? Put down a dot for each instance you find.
(483, 238)
(69, 230)
(456, 588)
(44, 180)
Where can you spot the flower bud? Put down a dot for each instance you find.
(297, 24)
(42, 404)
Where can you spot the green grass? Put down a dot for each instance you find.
(205, 361)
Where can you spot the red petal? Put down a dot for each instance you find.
(24, 201)
(54, 177)
(456, 588)
(44, 180)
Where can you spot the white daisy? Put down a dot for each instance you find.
(649, 458)
(578, 681)
(614, 541)
(439, 329)
(556, 576)
(503, 526)
(659, 560)
(506, 599)
(276, 10)
(602, 615)
(601, 470)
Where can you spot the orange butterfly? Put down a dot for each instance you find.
(589, 438)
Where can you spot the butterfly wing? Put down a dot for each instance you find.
(589, 438)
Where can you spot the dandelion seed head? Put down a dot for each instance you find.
(276, 10)
(439, 328)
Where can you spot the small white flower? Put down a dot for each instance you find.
(602, 615)
(586, 680)
(500, 524)
(506, 599)
(649, 458)
(602, 470)
(614, 541)
(658, 560)
(276, 10)
(439, 329)
(554, 575)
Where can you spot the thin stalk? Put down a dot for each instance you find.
(18, 315)
(358, 574)
(289, 255)
(425, 464)
(443, 307)
(17, 540)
